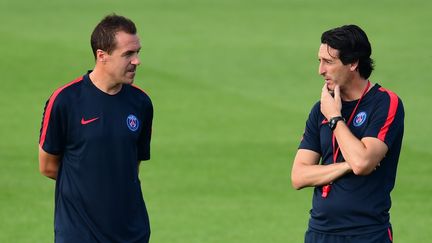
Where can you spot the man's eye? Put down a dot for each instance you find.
(128, 54)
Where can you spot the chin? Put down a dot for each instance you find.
(128, 80)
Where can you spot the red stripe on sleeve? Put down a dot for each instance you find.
(394, 101)
(49, 108)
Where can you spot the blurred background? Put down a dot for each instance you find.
(232, 82)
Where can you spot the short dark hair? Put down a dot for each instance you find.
(353, 45)
(103, 36)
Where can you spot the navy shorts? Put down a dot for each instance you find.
(384, 236)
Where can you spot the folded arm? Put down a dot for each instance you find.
(307, 171)
(363, 155)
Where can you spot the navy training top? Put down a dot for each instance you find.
(357, 204)
(100, 139)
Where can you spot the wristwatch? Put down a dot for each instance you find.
(334, 120)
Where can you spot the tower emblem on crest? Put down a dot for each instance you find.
(132, 123)
(359, 119)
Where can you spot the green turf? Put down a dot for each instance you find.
(232, 82)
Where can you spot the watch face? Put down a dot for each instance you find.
(333, 121)
(332, 124)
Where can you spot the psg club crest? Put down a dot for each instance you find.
(359, 119)
(132, 123)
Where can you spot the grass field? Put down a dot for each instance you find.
(232, 82)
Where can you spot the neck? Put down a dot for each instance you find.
(103, 82)
(355, 90)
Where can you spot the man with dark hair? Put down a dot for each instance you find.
(351, 144)
(95, 131)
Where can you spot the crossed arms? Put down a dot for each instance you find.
(361, 156)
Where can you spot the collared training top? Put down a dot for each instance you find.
(357, 204)
(100, 139)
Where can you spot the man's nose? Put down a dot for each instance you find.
(136, 61)
(321, 69)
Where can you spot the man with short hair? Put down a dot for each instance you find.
(356, 131)
(95, 131)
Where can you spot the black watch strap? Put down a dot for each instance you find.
(334, 120)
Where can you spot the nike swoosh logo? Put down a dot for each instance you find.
(84, 122)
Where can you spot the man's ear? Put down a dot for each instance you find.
(101, 56)
(354, 65)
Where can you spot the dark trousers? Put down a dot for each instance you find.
(384, 236)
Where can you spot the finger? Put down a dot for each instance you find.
(324, 90)
(324, 87)
(337, 92)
